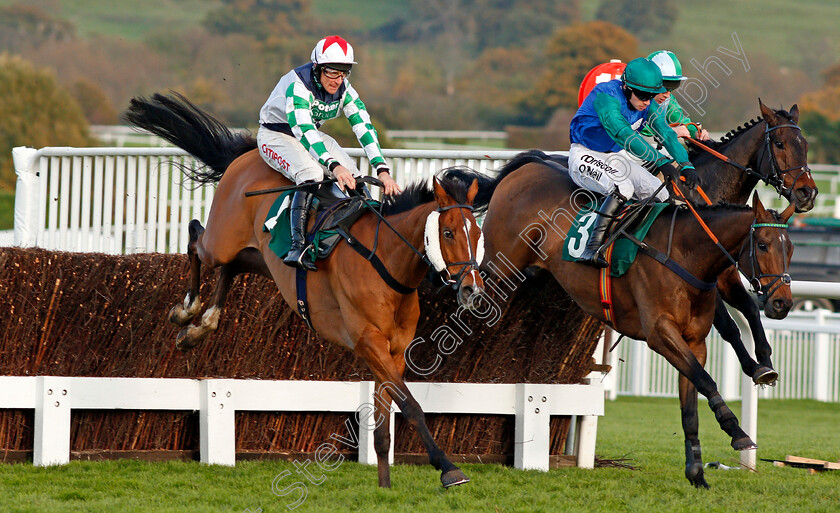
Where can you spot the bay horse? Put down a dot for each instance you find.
(649, 302)
(350, 303)
(770, 149)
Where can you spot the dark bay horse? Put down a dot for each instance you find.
(770, 149)
(650, 302)
(350, 304)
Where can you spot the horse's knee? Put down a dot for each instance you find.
(382, 442)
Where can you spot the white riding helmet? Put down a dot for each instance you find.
(333, 50)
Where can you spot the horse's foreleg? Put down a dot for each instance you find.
(183, 313)
(691, 424)
(733, 292)
(725, 325)
(373, 347)
(666, 339)
(382, 433)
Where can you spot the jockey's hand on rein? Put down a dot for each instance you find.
(692, 180)
(669, 171)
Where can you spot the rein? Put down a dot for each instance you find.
(370, 255)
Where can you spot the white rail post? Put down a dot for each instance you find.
(821, 362)
(532, 426)
(217, 422)
(27, 190)
(367, 452)
(52, 421)
(749, 393)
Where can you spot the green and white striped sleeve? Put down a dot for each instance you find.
(299, 115)
(359, 119)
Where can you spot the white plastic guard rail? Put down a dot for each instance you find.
(131, 200)
(217, 400)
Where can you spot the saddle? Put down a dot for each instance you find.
(333, 211)
(634, 219)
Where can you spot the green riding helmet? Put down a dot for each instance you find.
(643, 75)
(668, 64)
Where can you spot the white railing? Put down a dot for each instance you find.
(133, 200)
(806, 353)
(217, 400)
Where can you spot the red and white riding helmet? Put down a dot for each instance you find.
(333, 50)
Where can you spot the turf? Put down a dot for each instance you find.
(644, 430)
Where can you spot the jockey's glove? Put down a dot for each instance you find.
(669, 171)
(692, 179)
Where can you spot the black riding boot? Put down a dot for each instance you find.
(298, 215)
(592, 254)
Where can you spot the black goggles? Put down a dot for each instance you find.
(643, 95)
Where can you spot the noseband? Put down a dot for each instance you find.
(764, 292)
(434, 257)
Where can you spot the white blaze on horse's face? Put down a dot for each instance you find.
(434, 236)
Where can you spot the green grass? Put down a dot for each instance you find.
(7, 210)
(765, 26)
(127, 20)
(645, 430)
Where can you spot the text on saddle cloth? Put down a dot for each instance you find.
(624, 251)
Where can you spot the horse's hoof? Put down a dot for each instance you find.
(184, 342)
(765, 376)
(453, 477)
(744, 444)
(179, 316)
(699, 482)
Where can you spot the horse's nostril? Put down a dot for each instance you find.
(781, 305)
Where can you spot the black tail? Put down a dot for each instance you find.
(487, 185)
(177, 120)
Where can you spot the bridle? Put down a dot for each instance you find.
(764, 292)
(776, 178)
(434, 257)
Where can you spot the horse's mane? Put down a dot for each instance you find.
(455, 181)
(733, 134)
(695, 151)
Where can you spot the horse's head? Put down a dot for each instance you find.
(765, 259)
(455, 244)
(783, 159)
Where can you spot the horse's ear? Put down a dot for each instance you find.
(441, 197)
(794, 113)
(758, 207)
(472, 191)
(787, 212)
(767, 113)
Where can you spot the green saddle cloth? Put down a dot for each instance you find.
(625, 250)
(278, 223)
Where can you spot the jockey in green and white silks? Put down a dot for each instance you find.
(609, 156)
(300, 104)
(672, 78)
(290, 141)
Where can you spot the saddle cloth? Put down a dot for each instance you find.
(323, 238)
(624, 250)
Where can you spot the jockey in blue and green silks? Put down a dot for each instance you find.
(609, 156)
